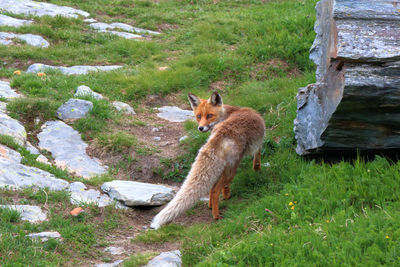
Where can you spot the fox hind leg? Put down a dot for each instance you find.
(257, 160)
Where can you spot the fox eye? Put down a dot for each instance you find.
(199, 117)
(209, 116)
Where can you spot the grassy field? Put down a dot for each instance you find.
(295, 212)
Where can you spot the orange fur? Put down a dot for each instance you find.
(236, 132)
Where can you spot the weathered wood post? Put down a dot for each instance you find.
(355, 103)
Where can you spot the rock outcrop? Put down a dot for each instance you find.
(355, 103)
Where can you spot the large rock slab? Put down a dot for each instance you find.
(74, 109)
(13, 128)
(8, 38)
(175, 114)
(166, 259)
(7, 92)
(28, 213)
(80, 195)
(14, 175)
(84, 90)
(74, 70)
(353, 106)
(138, 194)
(27, 7)
(68, 150)
(9, 154)
(13, 22)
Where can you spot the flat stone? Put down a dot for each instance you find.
(175, 114)
(114, 250)
(79, 195)
(68, 149)
(121, 26)
(7, 38)
(157, 138)
(44, 236)
(74, 109)
(113, 264)
(84, 90)
(14, 175)
(133, 193)
(13, 22)
(123, 107)
(125, 35)
(42, 159)
(27, 7)
(89, 20)
(28, 213)
(9, 154)
(13, 128)
(7, 92)
(166, 259)
(74, 70)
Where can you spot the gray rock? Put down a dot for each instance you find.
(28, 213)
(17, 176)
(9, 154)
(175, 114)
(7, 92)
(79, 195)
(121, 26)
(13, 22)
(13, 128)
(123, 107)
(113, 264)
(42, 159)
(74, 109)
(114, 250)
(138, 194)
(74, 70)
(68, 150)
(166, 259)
(125, 35)
(353, 105)
(7, 38)
(84, 90)
(157, 138)
(33, 150)
(155, 129)
(27, 7)
(183, 138)
(44, 236)
(89, 20)
(3, 107)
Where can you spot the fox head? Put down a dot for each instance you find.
(208, 112)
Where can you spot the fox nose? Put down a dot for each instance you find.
(201, 128)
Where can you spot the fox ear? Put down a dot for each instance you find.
(194, 100)
(215, 99)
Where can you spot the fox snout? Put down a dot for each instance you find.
(203, 128)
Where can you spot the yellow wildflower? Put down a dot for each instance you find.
(17, 72)
(41, 74)
(387, 237)
(290, 203)
(292, 207)
(286, 194)
(327, 221)
(295, 202)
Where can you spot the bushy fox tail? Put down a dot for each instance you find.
(205, 172)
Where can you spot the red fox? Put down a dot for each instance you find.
(235, 132)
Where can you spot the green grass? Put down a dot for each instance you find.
(345, 213)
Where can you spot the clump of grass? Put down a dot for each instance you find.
(139, 259)
(167, 233)
(117, 142)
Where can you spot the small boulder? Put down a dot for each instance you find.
(7, 92)
(113, 264)
(13, 22)
(74, 109)
(7, 38)
(114, 250)
(84, 90)
(79, 195)
(123, 107)
(74, 70)
(138, 194)
(13, 128)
